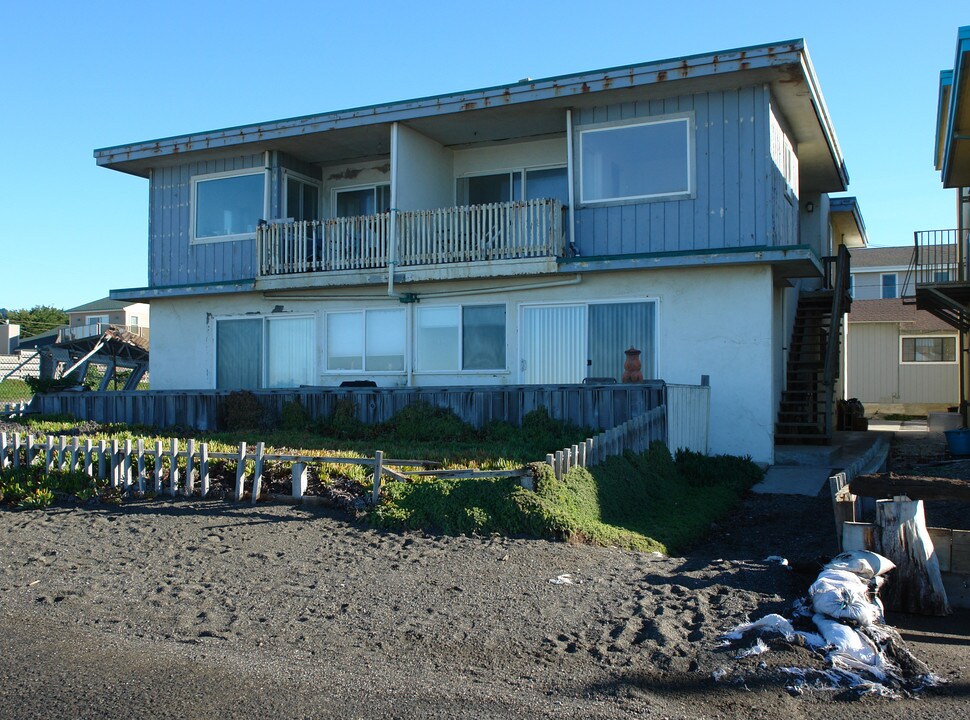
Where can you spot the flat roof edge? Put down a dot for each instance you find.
(751, 57)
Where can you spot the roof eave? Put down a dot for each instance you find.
(131, 158)
(959, 101)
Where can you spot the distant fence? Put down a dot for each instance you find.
(9, 364)
(688, 417)
(600, 407)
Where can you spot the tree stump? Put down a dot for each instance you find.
(916, 585)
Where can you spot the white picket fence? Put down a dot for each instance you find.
(124, 463)
(634, 435)
(10, 411)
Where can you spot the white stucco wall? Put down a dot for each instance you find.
(721, 322)
(423, 172)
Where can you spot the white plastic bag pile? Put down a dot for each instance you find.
(863, 652)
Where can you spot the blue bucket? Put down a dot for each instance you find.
(958, 441)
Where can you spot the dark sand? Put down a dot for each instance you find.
(192, 609)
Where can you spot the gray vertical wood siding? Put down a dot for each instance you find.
(876, 375)
(739, 197)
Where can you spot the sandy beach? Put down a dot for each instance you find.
(180, 608)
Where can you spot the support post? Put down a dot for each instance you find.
(88, 460)
(126, 466)
(158, 469)
(16, 450)
(258, 474)
(378, 470)
(204, 468)
(189, 469)
(299, 474)
(141, 466)
(173, 468)
(102, 460)
(115, 470)
(241, 472)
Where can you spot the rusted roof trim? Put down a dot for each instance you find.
(791, 52)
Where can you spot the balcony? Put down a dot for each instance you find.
(522, 230)
(939, 275)
(80, 332)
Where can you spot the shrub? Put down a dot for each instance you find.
(40, 386)
(240, 410)
(343, 422)
(294, 417)
(422, 422)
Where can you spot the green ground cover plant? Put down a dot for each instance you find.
(31, 487)
(647, 501)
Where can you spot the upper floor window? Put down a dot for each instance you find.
(228, 206)
(635, 160)
(370, 200)
(513, 185)
(95, 319)
(302, 198)
(888, 285)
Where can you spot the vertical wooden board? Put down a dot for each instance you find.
(645, 242)
(943, 546)
(746, 167)
(628, 110)
(657, 225)
(701, 207)
(614, 230)
(672, 224)
(730, 160)
(762, 164)
(960, 552)
(601, 234)
(584, 231)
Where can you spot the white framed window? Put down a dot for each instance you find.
(301, 197)
(134, 321)
(228, 205)
(636, 160)
(96, 319)
(362, 200)
(512, 185)
(928, 349)
(269, 351)
(888, 283)
(455, 338)
(569, 342)
(372, 341)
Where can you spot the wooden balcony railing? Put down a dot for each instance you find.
(472, 233)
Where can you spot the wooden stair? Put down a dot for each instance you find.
(804, 415)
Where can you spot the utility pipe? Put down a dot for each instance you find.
(575, 280)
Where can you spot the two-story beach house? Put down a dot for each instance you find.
(528, 233)
(941, 259)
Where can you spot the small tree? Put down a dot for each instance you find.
(38, 319)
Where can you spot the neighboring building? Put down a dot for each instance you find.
(527, 233)
(882, 273)
(940, 268)
(95, 317)
(899, 359)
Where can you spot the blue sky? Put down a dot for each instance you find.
(79, 76)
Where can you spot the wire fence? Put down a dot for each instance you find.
(14, 370)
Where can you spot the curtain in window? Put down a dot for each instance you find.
(345, 341)
(385, 340)
(554, 344)
(239, 352)
(613, 329)
(289, 352)
(437, 339)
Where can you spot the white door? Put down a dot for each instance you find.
(553, 342)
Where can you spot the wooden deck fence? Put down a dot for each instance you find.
(600, 407)
(125, 463)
